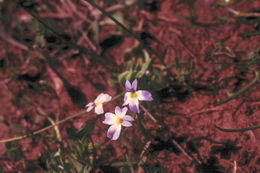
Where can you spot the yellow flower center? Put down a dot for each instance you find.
(119, 120)
(133, 95)
(98, 103)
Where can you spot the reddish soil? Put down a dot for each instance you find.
(53, 61)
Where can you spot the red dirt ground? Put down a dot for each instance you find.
(39, 70)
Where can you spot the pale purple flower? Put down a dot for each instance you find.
(132, 97)
(98, 103)
(116, 121)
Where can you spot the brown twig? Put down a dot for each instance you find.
(41, 130)
(149, 114)
(204, 110)
(237, 13)
(147, 145)
(50, 126)
(56, 128)
(235, 167)
(13, 42)
(182, 150)
(238, 130)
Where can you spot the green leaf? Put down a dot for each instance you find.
(129, 75)
(145, 65)
(130, 65)
(122, 76)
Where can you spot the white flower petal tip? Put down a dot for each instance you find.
(116, 121)
(144, 95)
(90, 106)
(98, 103)
(99, 109)
(133, 96)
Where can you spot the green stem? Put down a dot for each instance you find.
(238, 130)
(240, 92)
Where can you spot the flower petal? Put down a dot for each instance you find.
(99, 109)
(98, 97)
(123, 111)
(105, 98)
(110, 118)
(134, 106)
(126, 124)
(134, 85)
(126, 98)
(144, 95)
(118, 111)
(128, 86)
(90, 106)
(114, 132)
(128, 118)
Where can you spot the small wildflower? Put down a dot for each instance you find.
(98, 103)
(132, 97)
(116, 121)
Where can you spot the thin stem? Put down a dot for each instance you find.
(43, 129)
(56, 128)
(116, 97)
(147, 145)
(182, 150)
(237, 13)
(238, 130)
(240, 92)
(149, 114)
(51, 126)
